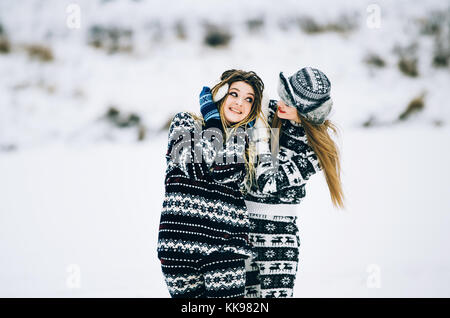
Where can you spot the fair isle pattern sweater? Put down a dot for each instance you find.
(203, 209)
(284, 184)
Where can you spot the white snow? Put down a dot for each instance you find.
(80, 200)
(99, 209)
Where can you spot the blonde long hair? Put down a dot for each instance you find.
(326, 150)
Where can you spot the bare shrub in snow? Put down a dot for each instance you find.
(416, 105)
(5, 46)
(180, 30)
(120, 119)
(370, 122)
(374, 60)
(408, 66)
(437, 25)
(408, 59)
(309, 25)
(216, 36)
(39, 52)
(111, 39)
(343, 24)
(255, 24)
(435, 22)
(441, 53)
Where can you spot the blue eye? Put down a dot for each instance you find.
(234, 94)
(250, 100)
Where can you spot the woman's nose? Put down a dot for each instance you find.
(281, 104)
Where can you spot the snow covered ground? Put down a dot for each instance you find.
(65, 98)
(80, 198)
(84, 223)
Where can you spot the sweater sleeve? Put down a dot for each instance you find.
(182, 152)
(198, 154)
(293, 165)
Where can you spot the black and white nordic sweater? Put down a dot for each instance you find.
(297, 160)
(203, 209)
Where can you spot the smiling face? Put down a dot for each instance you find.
(287, 112)
(238, 102)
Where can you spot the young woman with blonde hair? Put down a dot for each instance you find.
(300, 141)
(203, 234)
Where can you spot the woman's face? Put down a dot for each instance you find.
(287, 112)
(238, 102)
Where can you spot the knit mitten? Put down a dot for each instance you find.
(209, 109)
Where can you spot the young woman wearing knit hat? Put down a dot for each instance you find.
(203, 234)
(302, 146)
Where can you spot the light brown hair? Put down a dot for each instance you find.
(326, 150)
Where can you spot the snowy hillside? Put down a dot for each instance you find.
(86, 91)
(149, 59)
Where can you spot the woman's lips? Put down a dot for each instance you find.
(236, 111)
(281, 111)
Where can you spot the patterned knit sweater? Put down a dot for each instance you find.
(297, 162)
(203, 209)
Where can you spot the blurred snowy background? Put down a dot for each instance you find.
(86, 92)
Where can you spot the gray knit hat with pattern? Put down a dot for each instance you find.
(309, 91)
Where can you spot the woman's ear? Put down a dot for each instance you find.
(221, 92)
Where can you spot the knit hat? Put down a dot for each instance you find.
(309, 91)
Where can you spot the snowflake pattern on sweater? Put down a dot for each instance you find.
(297, 162)
(203, 209)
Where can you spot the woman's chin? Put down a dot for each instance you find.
(281, 115)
